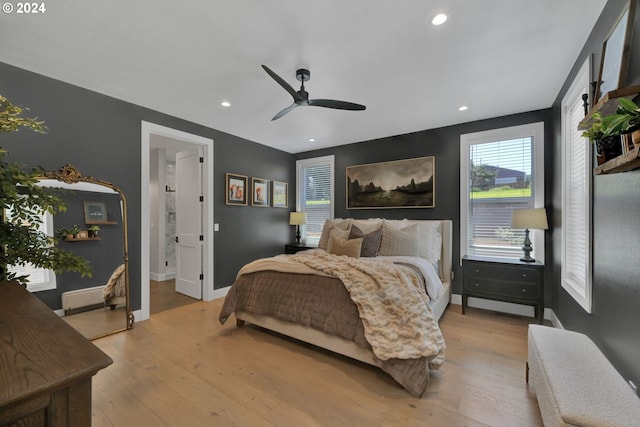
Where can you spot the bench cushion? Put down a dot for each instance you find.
(575, 383)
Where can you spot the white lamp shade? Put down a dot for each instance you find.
(297, 218)
(530, 219)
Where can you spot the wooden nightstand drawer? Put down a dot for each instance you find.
(521, 291)
(520, 274)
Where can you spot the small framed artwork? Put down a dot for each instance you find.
(614, 60)
(279, 195)
(260, 192)
(236, 189)
(95, 212)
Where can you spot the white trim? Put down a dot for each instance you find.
(315, 161)
(536, 131)
(148, 129)
(582, 294)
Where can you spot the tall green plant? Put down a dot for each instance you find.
(21, 241)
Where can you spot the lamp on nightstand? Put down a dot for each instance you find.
(535, 218)
(297, 219)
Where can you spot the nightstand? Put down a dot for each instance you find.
(292, 248)
(504, 279)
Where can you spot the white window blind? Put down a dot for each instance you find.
(576, 200)
(501, 171)
(315, 194)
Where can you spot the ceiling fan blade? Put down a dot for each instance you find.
(285, 111)
(339, 105)
(283, 83)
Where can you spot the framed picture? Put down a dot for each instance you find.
(614, 61)
(236, 189)
(406, 183)
(280, 197)
(95, 212)
(260, 192)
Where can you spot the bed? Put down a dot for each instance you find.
(316, 296)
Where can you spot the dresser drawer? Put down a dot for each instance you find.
(497, 272)
(499, 288)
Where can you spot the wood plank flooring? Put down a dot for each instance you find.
(182, 368)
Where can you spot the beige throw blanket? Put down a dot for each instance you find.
(398, 321)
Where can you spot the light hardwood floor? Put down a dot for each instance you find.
(182, 368)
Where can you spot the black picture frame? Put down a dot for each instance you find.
(95, 213)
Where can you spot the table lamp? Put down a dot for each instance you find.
(534, 218)
(297, 219)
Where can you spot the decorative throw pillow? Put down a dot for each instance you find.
(370, 241)
(399, 241)
(330, 224)
(430, 246)
(338, 234)
(350, 248)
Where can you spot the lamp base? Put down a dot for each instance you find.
(298, 234)
(527, 248)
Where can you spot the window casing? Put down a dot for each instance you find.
(315, 194)
(500, 170)
(576, 195)
(40, 279)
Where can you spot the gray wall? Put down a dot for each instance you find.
(101, 137)
(613, 323)
(444, 144)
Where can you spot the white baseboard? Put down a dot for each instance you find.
(503, 307)
(220, 293)
(161, 277)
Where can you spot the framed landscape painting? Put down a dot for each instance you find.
(405, 183)
(279, 195)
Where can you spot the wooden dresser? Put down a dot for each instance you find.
(46, 366)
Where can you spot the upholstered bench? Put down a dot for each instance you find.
(575, 383)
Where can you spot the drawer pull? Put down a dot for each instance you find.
(477, 284)
(477, 270)
(524, 274)
(524, 290)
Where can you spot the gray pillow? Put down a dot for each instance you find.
(370, 241)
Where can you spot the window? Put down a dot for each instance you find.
(314, 183)
(576, 191)
(500, 170)
(39, 278)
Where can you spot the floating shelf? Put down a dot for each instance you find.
(102, 223)
(623, 163)
(81, 239)
(608, 104)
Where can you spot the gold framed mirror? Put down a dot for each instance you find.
(93, 226)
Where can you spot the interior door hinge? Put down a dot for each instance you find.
(201, 276)
(201, 159)
(202, 238)
(202, 198)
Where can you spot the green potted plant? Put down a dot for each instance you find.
(605, 137)
(22, 241)
(93, 231)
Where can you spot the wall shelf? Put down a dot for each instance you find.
(608, 104)
(80, 239)
(623, 163)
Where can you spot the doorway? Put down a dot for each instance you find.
(161, 147)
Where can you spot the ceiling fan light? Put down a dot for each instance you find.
(439, 19)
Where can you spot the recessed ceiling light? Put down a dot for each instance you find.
(439, 19)
(463, 108)
(225, 104)
(312, 140)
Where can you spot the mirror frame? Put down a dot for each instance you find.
(70, 175)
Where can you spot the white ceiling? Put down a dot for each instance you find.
(184, 57)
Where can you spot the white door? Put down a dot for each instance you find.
(189, 232)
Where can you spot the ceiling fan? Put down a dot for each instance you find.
(301, 97)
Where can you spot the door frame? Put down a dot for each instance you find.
(147, 130)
